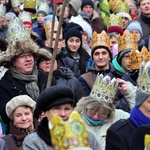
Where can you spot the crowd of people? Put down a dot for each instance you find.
(99, 94)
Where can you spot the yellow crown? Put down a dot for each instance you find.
(127, 40)
(31, 4)
(114, 20)
(135, 59)
(112, 4)
(16, 31)
(2, 10)
(104, 89)
(147, 142)
(69, 134)
(122, 7)
(101, 39)
(15, 3)
(143, 83)
(145, 54)
(48, 28)
(25, 16)
(44, 7)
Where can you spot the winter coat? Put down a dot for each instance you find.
(42, 140)
(3, 33)
(3, 145)
(114, 138)
(38, 29)
(11, 87)
(101, 130)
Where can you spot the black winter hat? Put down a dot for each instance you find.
(87, 2)
(54, 95)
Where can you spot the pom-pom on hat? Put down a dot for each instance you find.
(87, 2)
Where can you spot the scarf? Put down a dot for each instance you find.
(30, 81)
(138, 118)
(145, 19)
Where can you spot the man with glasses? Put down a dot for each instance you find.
(54, 100)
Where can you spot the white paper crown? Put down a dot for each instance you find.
(15, 3)
(2, 10)
(25, 16)
(104, 89)
(17, 31)
(44, 7)
(143, 83)
(38, 2)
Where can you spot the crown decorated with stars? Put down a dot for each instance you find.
(122, 7)
(104, 88)
(25, 16)
(101, 39)
(30, 4)
(16, 31)
(126, 41)
(44, 7)
(114, 20)
(145, 54)
(68, 134)
(15, 3)
(135, 59)
(2, 10)
(143, 82)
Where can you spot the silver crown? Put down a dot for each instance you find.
(2, 10)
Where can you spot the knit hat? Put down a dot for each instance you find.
(17, 101)
(87, 2)
(10, 15)
(115, 29)
(135, 25)
(54, 95)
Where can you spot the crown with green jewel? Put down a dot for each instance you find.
(104, 88)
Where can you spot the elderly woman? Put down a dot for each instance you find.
(20, 110)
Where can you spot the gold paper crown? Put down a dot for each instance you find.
(135, 59)
(143, 83)
(48, 28)
(31, 4)
(25, 16)
(127, 40)
(104, 89)
(114, 20)
(145, 54)
(68, 134)
(44, 7)
(16, 31)
(122, 7)
(2, 10)
(112, 4)
(15, 3)
(101, 39)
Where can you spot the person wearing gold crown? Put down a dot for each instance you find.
(120, 134)
(56, 100)
(98, 111)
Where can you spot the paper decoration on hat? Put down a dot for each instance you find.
(16, 31)
(113, 4)
(145, 54)
(2, 10)
(104, 88)
(25, 16)
(30, 4)
(38, 2)
(114, 21)
(126, 41)
(143, 82)
(44, 7)
(69, 134)
(101, 39)
(135, 59)
(15, 3)
(122, 7)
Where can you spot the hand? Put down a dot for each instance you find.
(122, 86)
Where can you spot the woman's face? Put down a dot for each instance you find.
(23, 117)
(138, 35)
(145, 108)
(74, 44)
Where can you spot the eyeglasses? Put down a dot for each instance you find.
(101, 113)
(58, 110)
(24, 56)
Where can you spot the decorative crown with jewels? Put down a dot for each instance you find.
(104, 88)
(114, 20)
(30, 4)
(101, 39)
(15, 3)
(135, 59)
(145, 54)
(2, 10)
(44, 7)
(69, 134)
(143, 82)
(122, 7)
(126, 41)
(25, 16)
(16, 31)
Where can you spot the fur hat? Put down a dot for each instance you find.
(54, 95)
(87, 2)
(17, 101)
